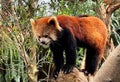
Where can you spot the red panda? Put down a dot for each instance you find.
(64, 33)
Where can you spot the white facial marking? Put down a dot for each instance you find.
(53, 36)
(44, 42)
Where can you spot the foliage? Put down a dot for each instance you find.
(73, 8)
(115, 27)
(11, 62)
(16, 36)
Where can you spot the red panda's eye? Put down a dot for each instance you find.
(39, 36)
(46, 36)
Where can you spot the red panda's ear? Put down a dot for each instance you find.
(32, 21)
(53, 21)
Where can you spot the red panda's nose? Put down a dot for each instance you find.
(43, 42)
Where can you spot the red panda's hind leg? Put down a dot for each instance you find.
(93, 58)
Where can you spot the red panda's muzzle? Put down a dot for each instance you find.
(44, 42)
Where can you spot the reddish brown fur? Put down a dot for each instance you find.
(86, 29)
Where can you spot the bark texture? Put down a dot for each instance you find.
(74, 76)
(110, 70)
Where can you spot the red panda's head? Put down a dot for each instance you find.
(45, 30)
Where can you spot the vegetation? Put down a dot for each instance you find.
(17, 42)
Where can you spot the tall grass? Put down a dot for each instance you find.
(11, 61)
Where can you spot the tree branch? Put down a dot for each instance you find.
(110, 70)
(74, 76)
(113, 8)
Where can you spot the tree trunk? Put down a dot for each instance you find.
(31, 65)
(110, 70)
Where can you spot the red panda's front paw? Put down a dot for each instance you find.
(84, 71)
(67, 68)
(55, 73)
